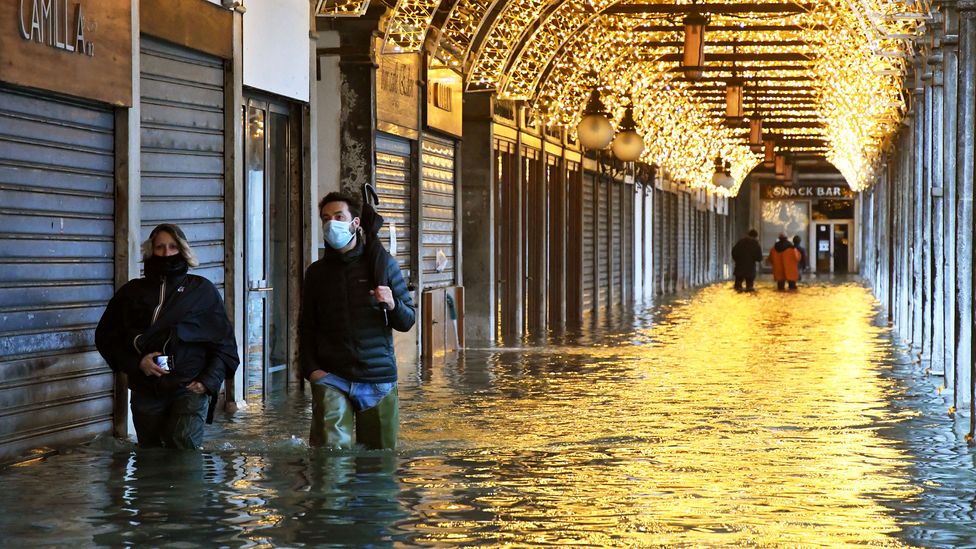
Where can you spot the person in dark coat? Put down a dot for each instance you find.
(169, 314)
(804, 264)
(345, 334)
(746, 254)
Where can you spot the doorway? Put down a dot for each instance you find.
(834, 250)
(270, 167)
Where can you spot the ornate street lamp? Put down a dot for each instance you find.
(694, 48)
(628, 144)
(722, 177)
(594, 130)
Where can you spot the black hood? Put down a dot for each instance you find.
(783, 245)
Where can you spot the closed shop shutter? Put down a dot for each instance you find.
(627, 257)
(589, 240)
(617, 242)
(602, 252)
(393, 188)
(659, 243)
(675, 233)
(57, 231)
(182, 128)
(438, 207)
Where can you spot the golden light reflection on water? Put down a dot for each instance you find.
(734, 419)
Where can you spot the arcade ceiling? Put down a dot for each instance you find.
(826, 77)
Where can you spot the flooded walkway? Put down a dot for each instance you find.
(772, 419)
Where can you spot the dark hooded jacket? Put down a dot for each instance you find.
(191, 326)
(342, 330)
(746, 253)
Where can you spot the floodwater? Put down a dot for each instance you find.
(715, 419)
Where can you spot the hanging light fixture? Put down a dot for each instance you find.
(722, 178)
(693, 58)
(733, 93)
(628, 144)
(756, 127)
(594, 130)
(780, 167)
(770, 152)
(788, 171)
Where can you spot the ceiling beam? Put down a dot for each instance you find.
(743, 56)
(732, 28)
(718, 9)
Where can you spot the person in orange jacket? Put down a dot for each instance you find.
(785, 260)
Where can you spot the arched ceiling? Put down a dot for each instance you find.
(827, 76)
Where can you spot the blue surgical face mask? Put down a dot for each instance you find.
(337, 233)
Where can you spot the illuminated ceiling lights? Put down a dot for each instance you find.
(341, 8)
(829, 73)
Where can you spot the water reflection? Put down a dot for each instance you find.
(717, 419)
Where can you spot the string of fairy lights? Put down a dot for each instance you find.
(839, 97)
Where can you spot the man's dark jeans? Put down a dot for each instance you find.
(749, 280)
(173, 420)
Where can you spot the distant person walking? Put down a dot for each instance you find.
(785, 260)
(745, 254)
(804, 264)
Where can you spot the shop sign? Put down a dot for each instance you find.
(81, 48)
(785, 192)
(397, 92)
(444, 98)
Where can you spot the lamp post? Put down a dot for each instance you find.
(594, 129)
(694, 46)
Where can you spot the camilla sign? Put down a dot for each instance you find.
(786, 192)
(51, 45)
(55, 23)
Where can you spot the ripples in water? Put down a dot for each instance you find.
(770, 419)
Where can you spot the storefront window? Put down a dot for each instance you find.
(784, 216)
(833, 209)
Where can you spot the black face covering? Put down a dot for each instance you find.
(168, 266)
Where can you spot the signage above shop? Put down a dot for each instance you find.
(444, 100)
(786, 192)
(397, 93)
(81, 48)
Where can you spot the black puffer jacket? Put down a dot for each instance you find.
(191, 326)
(746, 253)
(342, 330)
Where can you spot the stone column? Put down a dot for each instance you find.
(950, 74)
(916, 212)
(478, 218)
(924, 185)
(937, 226)
(966, 117)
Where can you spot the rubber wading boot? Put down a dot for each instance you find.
(332, 418)
(377, 427)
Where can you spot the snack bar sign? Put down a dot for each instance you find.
(56, 23)
(786, 192)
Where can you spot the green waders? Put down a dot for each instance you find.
(333, 417)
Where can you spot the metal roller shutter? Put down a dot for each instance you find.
(437, 210)
(602, 251)
(182, 129)
(57, 231)
(618, 242)
(627, 257)
(589, 240)
(675, 233)
(393, 188)
(659, 244)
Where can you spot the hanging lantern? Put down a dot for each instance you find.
(770, 152)
(594, 130)
(719, 176)
(733, 101)
(780, 167)
(694, 48)
(628, 144)
(755, 134)
(788, 172)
